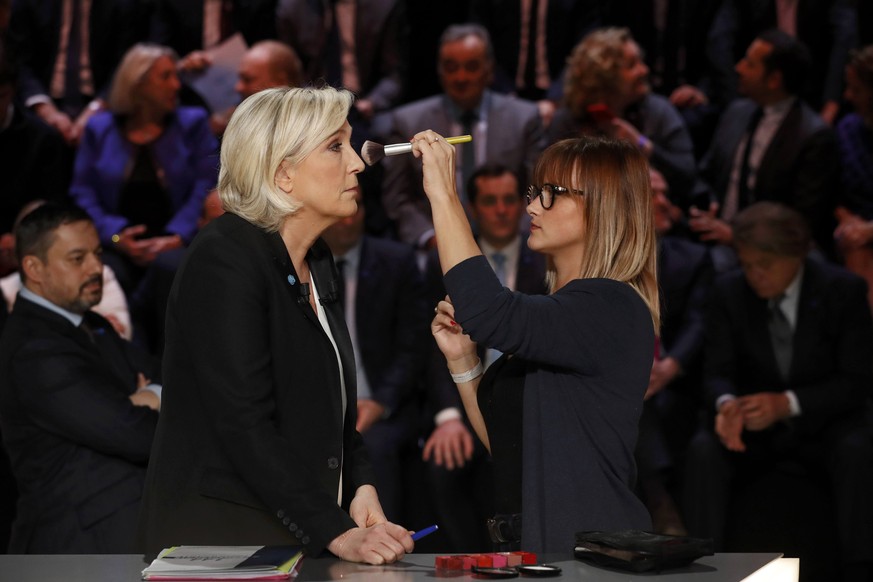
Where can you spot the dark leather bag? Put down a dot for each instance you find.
(639, 551)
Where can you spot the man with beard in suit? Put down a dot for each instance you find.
(77, 410)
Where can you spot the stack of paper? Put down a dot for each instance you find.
(224, 563)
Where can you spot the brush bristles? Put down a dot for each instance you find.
(372, 152)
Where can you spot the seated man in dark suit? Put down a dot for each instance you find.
(768, 146)
(458, 464)
(672, 399)
(77, 410)
(787, 368)
(387, 315)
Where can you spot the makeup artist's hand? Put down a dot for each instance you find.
(438, 164)
(451, 339)
(365, 508)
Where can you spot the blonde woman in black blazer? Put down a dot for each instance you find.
(258, 445)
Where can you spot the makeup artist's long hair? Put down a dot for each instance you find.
(616, 210)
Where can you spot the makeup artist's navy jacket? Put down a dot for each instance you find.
(588, 349)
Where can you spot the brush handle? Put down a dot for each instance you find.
(405, 148)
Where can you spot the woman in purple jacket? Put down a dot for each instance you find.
(143, 170)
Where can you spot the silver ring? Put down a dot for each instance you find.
(436, 309)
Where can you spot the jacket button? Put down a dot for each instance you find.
(332, 463)
(298, 534)
(292, 527)
(286, 520)
(280, 514)
(305, 539)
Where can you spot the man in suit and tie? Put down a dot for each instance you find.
(768, 146)
(386, 312)
(671, 402)
(504, 129)
(787, 370)
(77, 409)
(458, 463)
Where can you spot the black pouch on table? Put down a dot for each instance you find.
(639, 551)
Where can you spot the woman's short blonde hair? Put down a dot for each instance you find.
(131, 72)
(616, 210)
(594, 67)
(267, 128)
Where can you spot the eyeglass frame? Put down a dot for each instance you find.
(553, 191)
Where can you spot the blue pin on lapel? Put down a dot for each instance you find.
(291, 279)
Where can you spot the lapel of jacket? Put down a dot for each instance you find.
(59, 323)
(494, 128)
(112, 355)
(103, 353)
(441, 116)
(759, 336)
(324, 272)
(285, 270)
(805, 331)
(775, 158)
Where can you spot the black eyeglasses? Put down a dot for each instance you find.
(547, 193)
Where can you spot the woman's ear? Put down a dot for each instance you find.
(284, 177)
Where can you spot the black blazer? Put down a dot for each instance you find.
(800, 167)
(831, 373)
(252, 441)
(77, 445)
(392, 320)
(35, 29)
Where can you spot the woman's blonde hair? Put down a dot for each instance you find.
(593, 68)
(616, 210)
(267, 128)
(131, 72)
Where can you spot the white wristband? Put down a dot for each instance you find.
(469, 375)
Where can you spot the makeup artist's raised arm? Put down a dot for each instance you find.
(453, 233)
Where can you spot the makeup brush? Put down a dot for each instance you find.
(372, 152)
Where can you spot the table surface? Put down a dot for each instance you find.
(414, 567)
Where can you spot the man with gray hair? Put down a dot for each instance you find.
(504, 129)
(787, 372)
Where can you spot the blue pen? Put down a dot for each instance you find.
(423, 532)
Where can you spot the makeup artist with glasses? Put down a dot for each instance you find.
(559, 410)
(259, 444)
